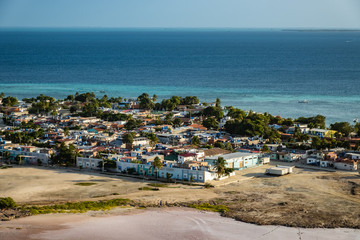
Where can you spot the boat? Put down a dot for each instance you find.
(355, 120)
(303, 101)
(102, 91)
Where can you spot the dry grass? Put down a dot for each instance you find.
(304, 199)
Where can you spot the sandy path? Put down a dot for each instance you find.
(171, 223)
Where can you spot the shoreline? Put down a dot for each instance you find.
(155, 223)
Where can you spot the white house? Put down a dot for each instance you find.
(184, 157)
(90, 163)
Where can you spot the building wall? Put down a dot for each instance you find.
(89, 163)
(345, 166)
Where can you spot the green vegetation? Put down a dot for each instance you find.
(313, 122)
(128, 138)
(42, 104)
(9, 101)
(195, 140)
(157, 165)
(7, 202)
(209, 207)
(85, 184)
(343, 127)
(211, 123)
(221, 170)
(66, 155)
(149, 189)
(77, 207)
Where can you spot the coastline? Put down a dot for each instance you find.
(155, 223)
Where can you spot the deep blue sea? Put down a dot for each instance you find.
(266, 71)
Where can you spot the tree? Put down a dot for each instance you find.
(357, 128)
(153, 140)
(316, 143)
(66, 155)
(9, 101)
(177, 122)
(168, 177)
(154, 98)
(220, 166)
(6, 156)
(313, 122)
(18, 159)
(265, 148)
(229, 147)
(195, 140)
(218, 103)
(66, 131)
(74, 108)
(211, 123)
(157, 165)
(128, 138)
(108, 163)
(213, 112)
(7, 203)
(132, 124)
(219, 145)
(145, 101)
(343, 127)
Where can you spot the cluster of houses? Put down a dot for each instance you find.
(96, 139)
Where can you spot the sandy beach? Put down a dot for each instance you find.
(166, 223)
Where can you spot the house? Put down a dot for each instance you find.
(90, 163)
(187, 157)
(353, 156)
(201, 175)
(322, 133)
(349, 165)
(237, 160)
(283, 156)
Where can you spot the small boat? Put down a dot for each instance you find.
(355, 120)
(102, 91)
(303, 101)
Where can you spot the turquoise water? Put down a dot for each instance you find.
(266, 71)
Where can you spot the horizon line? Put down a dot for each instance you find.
(179, 28)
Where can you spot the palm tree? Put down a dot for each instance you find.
(153, 140)
(6, 156)
(157, 165)
(220, 166)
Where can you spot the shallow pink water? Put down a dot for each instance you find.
(184, 224)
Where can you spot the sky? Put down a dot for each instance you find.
(181, 13)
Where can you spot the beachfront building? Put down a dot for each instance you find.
(237, 160)
(322, 133)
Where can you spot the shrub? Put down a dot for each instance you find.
(208, 185)
(7, 202)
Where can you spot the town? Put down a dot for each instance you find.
(176, 139)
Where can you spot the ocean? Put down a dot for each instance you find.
(262, 70)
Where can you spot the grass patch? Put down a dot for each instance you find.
(78, 207)
(149, 189)
(164, 185)
(209, 207)
(5, 167)
(85, 183)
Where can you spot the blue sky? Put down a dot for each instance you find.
(181, 13)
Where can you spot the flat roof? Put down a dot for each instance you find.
(234, 155)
